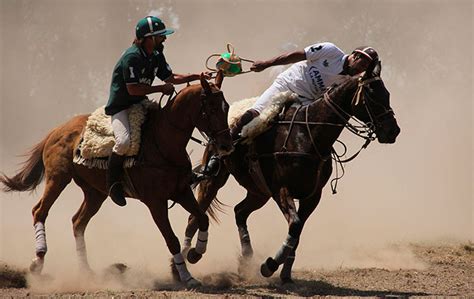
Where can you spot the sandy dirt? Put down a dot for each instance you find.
(448, 271)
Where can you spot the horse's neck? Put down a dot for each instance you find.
(170, 130)
(326, 135)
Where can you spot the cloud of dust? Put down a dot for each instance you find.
(56, 62)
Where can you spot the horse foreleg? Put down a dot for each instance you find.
(54, 187)
(189, 203)
(93, 200)
(296, 224)
(287, 206)
(285, 274)
(206, 193)
(159, 212)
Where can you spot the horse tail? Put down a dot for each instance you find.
(215, 207)
(30, 175)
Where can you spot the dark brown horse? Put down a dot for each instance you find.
(294, 158)
(163, 173)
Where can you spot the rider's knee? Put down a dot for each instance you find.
(122, 144)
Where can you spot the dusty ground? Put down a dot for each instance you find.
(449, 271)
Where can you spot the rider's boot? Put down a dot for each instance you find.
(114, 179)
(214, 164)
(247, 117)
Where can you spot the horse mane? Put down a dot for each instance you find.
(337, 89)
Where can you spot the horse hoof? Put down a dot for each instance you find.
(287, 281)
(245, 266)
(36, 266)
(193, 283)
(193, 256)
(269, 267)
(174, 271)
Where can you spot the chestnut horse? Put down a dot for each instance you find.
(293, 159)
(163, 172)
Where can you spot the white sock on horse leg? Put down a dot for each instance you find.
(244, 235)
(40, 237)
(187, 242)
(285, 249)
(184, 274)
(201, 243)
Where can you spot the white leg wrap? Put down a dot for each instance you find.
(285, 249)
(187, 242)
(201, 243)
(184, 274)
(244, 235)
(40, 236)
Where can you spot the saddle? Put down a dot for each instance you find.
(281, 103)
(265, 120)
(98, 137)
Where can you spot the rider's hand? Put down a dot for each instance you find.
(207, 75)
(167, 88)
(258, 66)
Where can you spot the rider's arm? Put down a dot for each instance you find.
(132, 74)
(286, 58)
(138, 89)
(181, 78)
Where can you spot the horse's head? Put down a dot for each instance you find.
(371, 104)
(213, 119)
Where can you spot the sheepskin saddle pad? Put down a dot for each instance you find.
(262, 122)
(98, 137)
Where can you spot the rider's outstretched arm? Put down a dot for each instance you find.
(283, 59)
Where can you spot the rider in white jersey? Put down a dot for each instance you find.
(314, 69)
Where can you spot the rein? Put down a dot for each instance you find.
(197, 140)
(359, 129)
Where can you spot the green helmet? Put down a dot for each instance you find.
(150, 26)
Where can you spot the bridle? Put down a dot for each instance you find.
(361, 96)
(212, 134)
(376, 121)
(363, 130)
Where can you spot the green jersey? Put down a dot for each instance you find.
(134, 67)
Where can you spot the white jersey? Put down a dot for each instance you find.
(321, 69)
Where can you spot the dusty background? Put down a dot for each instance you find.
(56, 62)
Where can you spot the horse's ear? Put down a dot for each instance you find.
(205, 85)
(219, 79)
(378, 69)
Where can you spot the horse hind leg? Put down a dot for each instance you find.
(54, 187)
(287, 206)
(247, 206)
(93, 200)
